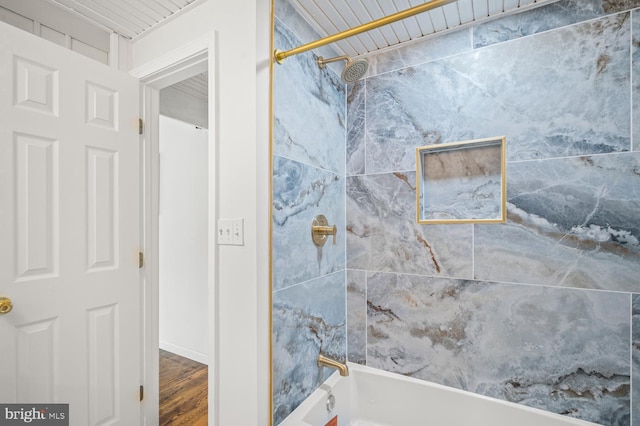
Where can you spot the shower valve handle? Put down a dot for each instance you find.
(320, 229)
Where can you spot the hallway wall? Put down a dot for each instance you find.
(183, 278)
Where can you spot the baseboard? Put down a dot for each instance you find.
(187, 353)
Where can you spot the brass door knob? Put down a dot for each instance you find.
(5, 305)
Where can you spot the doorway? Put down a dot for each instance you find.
(184, 63)
(183, 252)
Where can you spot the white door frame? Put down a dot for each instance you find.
(193, 58)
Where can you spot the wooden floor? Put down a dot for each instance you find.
(183, 391)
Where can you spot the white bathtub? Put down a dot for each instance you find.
(370, 397)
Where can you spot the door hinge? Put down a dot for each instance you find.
(141, 392)
(140, 259)
(140, 126)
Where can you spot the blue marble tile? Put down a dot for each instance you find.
(355, 128)
(309, 109)
(635, 94)
(544, 18)
(383, 235)
(300, 193)
(572, 222)
(635, 353)
(357, 316)
(430, 49)
(287, 15)
(561, 350)
(558, 94)
(308, 319)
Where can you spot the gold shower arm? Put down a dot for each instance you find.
(322, 61)
(280, 55)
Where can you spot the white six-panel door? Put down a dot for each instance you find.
(69, 232)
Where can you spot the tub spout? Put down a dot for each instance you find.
(323, 361)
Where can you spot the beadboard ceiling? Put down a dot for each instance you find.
(329, 17)
(129, 18)
(196, 86)
(132, 18)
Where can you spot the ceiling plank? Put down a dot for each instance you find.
(411, 24)
(363, 17)
(388, 8)
(424, 20)
(98, 17)
(495, 7)
(327, 26)
(352, 21)
(341, 25)
(451, 15)
(465, 10)
(376, 13)
(480, 9)
(167, 7)
(438, 19)
(129, 8)
(181, 3)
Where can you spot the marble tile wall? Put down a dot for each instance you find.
(539, 310)
(550, 348)
(308, 282)
(308, 318)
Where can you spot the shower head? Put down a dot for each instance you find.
(353, 71)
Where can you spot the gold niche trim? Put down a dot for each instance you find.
(461, 147)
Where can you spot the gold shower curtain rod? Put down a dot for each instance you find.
(280, 56)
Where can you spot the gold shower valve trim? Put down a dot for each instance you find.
(320, 230)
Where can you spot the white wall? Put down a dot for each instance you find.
(240, 133)
(183, 239)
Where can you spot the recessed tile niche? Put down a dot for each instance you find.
(461, 182)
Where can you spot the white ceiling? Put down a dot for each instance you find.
(129, 18)
(132, 18)
(329, 17)
(196, 86)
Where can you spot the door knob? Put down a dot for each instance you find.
(5, 305)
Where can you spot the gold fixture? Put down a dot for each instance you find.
(280, 55)
(322, 61)
(352, 72)
(456, 160)
(5, 305)
(323, 361)
(320, 230)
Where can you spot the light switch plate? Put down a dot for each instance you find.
(231, 232)
(237, 232)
